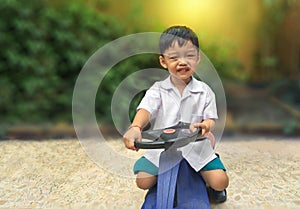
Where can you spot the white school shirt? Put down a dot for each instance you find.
(167, 108)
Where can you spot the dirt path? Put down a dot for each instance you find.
(264, 173)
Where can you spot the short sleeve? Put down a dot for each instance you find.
(210, 108)
(152, 100)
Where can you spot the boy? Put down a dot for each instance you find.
(178, 98)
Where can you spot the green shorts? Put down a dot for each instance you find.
(143, 164)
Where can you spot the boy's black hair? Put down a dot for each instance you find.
(180, 34)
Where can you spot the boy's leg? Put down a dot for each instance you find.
(214, 174)
(146, 173)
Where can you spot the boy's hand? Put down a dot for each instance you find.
(204, 128)
(133, 133)
(207, 125)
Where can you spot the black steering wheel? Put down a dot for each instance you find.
(175, 136)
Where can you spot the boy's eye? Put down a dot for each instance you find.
(173, 57)
(191, 55)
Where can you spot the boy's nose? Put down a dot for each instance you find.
(182, 61)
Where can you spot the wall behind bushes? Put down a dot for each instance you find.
(43, 48)
(44, 45)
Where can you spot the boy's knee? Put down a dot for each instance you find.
(142, 183)
(145, 181)
(216, 179)
(220, 184)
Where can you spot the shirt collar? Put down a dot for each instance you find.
(193, 86)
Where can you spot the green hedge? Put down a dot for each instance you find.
(43, 48)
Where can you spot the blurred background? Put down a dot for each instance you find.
(254, 46)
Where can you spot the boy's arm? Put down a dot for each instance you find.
(133, 133)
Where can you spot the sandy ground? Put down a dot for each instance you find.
(264, 173)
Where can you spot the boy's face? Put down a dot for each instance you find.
(181, 61)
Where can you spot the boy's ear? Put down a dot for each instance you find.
(162, 61)
(199, 58)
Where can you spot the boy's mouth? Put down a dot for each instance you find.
(183, 70)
